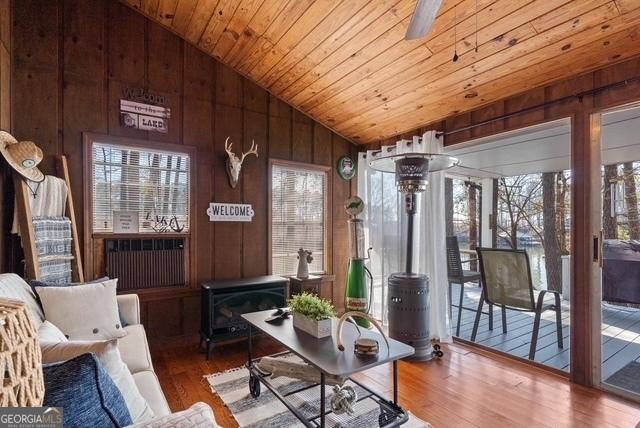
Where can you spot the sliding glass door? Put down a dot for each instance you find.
(513, 194)
(619, 275)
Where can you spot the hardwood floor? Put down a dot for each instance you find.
(466, 388)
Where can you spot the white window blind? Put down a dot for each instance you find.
(153, 183)
(298, 208)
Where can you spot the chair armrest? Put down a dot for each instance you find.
(543, 293)
(129, 307)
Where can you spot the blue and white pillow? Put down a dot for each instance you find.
(86, 394)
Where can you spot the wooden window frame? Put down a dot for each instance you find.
(326, 170)
(90, 236)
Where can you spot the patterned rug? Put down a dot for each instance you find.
(267, 411)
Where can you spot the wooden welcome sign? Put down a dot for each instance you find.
(137, 113)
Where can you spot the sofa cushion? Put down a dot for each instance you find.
(50, 333)
(36, 283)
(134, 349)
(83, 312)
(109, 357)
(149, 387)
(199, 415)
(14, 287)
(86, 394)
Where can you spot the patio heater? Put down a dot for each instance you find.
(408, 300)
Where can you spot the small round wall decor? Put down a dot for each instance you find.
(346, 168)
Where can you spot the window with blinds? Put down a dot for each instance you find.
(138, 184)
(298, 213)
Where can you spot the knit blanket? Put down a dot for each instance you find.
(53, 242)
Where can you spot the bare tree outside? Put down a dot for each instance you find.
(448, 207)
(551, 242)
(609, 221)
(631, 200)
(562, 210)
(519, 209)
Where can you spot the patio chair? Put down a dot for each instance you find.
(457, 275)
(506, 281)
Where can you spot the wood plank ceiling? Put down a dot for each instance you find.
(346, 64)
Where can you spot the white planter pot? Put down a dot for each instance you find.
(315, 328)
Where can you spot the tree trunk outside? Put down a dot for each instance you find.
(448, 206)
(560, 212)
(553, 262)
(473, 222)
(631, 200)
(494, 215)
(514, 235)
(609, 224)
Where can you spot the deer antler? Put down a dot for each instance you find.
(252, 151)
(227, 147)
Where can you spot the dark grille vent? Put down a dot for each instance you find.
(146, 263)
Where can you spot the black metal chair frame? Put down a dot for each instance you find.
(456, 276)
(538, 305)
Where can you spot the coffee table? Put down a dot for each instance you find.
(323, 354)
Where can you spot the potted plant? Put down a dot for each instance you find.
(312, 314)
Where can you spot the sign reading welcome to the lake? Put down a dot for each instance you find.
(136, 113)
(230, 212)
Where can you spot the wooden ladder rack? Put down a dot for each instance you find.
(27, 234)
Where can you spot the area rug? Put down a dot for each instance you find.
(627, 377)
(267, 411)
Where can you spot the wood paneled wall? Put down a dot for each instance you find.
(72, 59)
(5, 120)
(583, 153)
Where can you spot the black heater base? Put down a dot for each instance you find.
(409, 313)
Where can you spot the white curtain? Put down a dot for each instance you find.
(385, 228)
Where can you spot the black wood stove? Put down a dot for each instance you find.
(224, 302)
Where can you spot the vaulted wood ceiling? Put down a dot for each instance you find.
(346, 64)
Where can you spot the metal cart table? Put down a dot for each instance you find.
(323, 354)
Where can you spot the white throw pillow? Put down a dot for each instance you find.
(83, 312)
(199, 415)
(50, 333)
(109, 356)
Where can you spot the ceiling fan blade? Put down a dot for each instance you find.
(423, 18)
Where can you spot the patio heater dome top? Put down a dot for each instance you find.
(412, 169)
(436, 162)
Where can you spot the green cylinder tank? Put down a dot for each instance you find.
(357, 292)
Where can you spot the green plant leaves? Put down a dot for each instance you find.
(311, 306)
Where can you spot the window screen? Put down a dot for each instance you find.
(298, 208)
(150, 187)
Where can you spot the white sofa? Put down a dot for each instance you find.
(134, 347)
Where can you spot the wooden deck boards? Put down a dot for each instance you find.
(620, 333)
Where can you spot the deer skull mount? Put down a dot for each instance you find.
(234, 164)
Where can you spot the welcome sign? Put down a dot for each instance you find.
(230, 212)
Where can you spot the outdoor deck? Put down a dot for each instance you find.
(620, 329)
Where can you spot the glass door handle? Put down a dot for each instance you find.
(598, 248)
